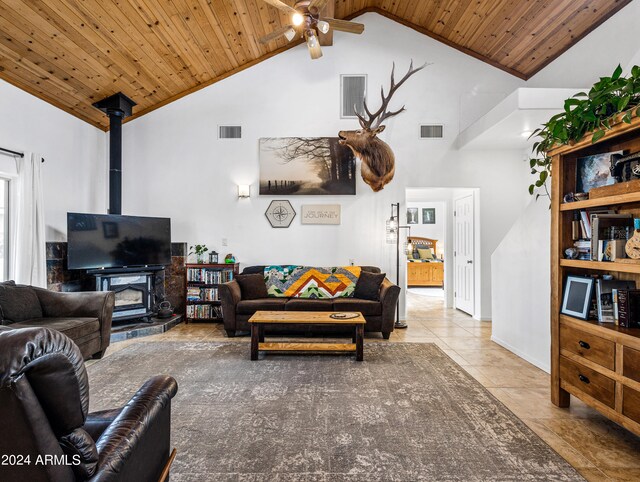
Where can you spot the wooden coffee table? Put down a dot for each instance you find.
(260, 319)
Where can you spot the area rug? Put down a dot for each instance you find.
(407, 413)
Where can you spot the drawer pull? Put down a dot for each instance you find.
(583, 379)
(584, 344)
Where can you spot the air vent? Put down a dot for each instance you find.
(353, 91)
(229, 132)
(432, 131)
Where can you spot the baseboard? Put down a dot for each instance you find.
(542, 366)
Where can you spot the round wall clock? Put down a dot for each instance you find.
(280, 214)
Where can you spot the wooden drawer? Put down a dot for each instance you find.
(631, 403)
(588, 346)
(589, 381)
(631, 363)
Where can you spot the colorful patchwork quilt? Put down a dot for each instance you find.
(311, 282)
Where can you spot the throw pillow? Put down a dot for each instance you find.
(368, 286)
(252, 286)
(18, 303)
(425, 253)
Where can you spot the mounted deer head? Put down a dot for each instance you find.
(378, 161)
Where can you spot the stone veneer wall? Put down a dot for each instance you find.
(169, 283)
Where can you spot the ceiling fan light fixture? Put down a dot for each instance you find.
(323, 26)
(312, 43)
(290, 34)
(297, 19)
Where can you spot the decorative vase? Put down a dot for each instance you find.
(199, 258)
(632, 247)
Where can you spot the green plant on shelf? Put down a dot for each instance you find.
(199, 250)
(594, 111)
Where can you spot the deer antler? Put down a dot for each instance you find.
(373, 120)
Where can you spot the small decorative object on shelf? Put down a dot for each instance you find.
(213, 257)
(198, 250)
(571, 253)
(633, 245)
(202, 282)
(229, 259)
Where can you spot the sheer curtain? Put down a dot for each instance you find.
(29, 249)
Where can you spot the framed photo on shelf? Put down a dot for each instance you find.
(594, 171)
(578, 293)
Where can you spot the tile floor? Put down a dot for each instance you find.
(599, 449)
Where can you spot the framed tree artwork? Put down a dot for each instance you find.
(306, 166)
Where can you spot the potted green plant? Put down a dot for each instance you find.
(611, 100)
(199, 250)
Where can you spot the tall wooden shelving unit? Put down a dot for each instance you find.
(597, 363)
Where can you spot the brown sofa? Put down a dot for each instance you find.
(84, 317)
(380, 315)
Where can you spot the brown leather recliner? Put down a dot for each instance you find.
(44, 396)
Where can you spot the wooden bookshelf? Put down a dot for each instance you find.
(202, 296)
(598, 363)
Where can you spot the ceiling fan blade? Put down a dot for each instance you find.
(281, 6)
(345, 25)
(318, 4)
(274, 35)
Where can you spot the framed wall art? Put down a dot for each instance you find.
(306, 166)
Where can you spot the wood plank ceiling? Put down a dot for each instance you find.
(72, 53)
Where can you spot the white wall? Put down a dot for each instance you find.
(521, 302)
(189, 175)
(432, 231)
(75, 171)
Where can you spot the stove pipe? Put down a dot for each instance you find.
(117, 107)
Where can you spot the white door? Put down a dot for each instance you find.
(464, 279)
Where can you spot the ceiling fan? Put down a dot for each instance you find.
(307, 23)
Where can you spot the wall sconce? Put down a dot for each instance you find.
(244, 190)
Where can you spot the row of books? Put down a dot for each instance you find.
(618, 302)
(195, 293)
(209, 276)
(600, 235)
(196, 312)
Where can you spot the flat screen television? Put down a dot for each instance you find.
(113, 241)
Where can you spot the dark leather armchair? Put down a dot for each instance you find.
(44, 395)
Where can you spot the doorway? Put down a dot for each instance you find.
(447, 275)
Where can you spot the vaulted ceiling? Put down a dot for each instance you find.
(72, 53)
